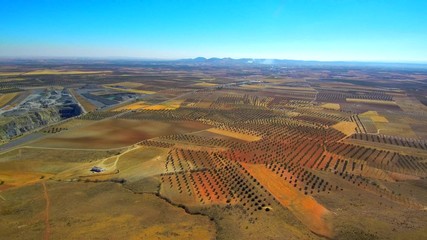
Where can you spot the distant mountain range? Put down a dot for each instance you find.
(211, 62)
(284, 62)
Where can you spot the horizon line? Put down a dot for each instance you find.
(107, 58)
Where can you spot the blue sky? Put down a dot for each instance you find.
(360, 30)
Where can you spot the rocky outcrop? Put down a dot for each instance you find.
(13, 126)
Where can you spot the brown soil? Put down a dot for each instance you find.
(114, 133)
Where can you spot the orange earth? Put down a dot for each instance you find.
(305, 208)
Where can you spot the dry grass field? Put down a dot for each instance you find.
(205, 84)
(6, 98)
(236, 135)
(112, 210)
(332, 106)
(370, 101)
(375, 117)
(169, 105)
(347, 128)
(132, 106)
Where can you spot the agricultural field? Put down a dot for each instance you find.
(6, 98)
(188, 151)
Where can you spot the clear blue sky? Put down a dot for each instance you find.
(363, 30)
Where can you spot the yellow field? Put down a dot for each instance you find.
(6, 98)
(369, 113)
(208, 79)
(170, 105)
(130, 90)
(10, 73)
(375, 117)
(157, 107)
(133, 106)
(347, 128)
(332, 106)
(379, 119)
(255, 86)
(370, 101)
(205, 84)
(12, 79)
(241, 136)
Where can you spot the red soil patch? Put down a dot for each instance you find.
(305, 208)
(208, 188)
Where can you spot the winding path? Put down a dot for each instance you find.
(46, 216)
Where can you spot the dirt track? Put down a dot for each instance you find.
(46, 217)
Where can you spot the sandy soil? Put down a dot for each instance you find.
(241, 136)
